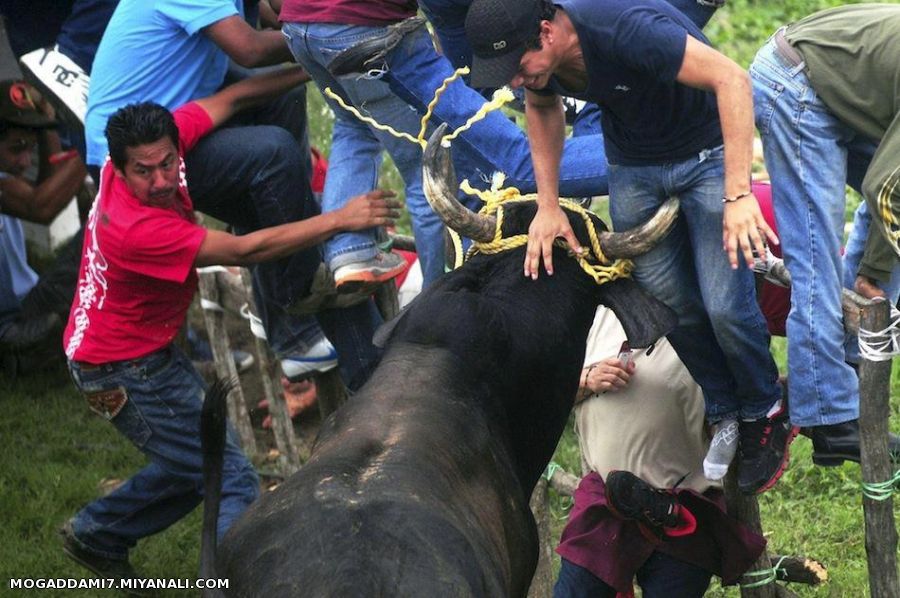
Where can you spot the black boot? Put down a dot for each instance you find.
(365, 55)
(835, 443)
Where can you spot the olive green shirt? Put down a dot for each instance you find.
(852, 54)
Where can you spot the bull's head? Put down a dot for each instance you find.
(441, 190)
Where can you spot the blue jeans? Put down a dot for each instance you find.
(853, 253)
(356, 147)
(806, 149)
(162, 419)
(415, 70)
(661, 576)
(721, 335)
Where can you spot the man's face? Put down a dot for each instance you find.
(535, 69)
(151, 172)
(16, 147)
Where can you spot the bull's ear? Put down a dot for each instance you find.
(644, 318)
(385, 331)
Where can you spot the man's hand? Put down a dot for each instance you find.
(370, 209)
(548, 224)
(741, 226)
(607, 375)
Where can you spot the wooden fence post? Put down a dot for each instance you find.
(225, 368)
(874, 412)
(542, 582)
(290, 458)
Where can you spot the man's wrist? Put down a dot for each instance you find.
(737, 196)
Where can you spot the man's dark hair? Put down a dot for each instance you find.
(547, 12)
(138, 124)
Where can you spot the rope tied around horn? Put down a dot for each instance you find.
(594, 263)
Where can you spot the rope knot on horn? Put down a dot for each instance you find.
(595, 263)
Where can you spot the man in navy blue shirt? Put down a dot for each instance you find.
(677, 121)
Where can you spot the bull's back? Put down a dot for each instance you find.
(409, 492)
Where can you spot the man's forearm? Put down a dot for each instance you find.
(735, 103)
(546, 135)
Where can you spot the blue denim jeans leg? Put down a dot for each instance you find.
(494, 144)
(661, 576)
(721, 335)
(853, 254)
(254, 176)
(356, 147)
(161, 418)
(806, 152)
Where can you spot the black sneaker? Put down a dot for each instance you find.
(99, 565)
(361, 57)
(764, 450)
(656, 511)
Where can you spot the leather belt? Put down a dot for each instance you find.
(786, 50)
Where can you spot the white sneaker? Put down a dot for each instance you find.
(59, 79)
(319, 357)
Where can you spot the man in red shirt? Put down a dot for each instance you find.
(136, 282)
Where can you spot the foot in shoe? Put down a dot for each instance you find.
(349, 278)
(657, 511)
(318, 357)
(764, 449)
(722, 449)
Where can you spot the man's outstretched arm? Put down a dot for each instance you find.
(546, 135)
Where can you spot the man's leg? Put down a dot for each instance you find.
(253, 178)
(808, 164)
(728, 295)
(667, 272)
(161, 417)
(494, 144)
(355, 146)
(664, 576)
(575, 581)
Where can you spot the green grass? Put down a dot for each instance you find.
(53, 454)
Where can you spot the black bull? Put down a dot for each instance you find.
(419, 484)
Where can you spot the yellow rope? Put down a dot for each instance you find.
(429, 110)
(497, 196)
(369, 120)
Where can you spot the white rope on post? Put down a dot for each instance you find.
(256, 325)
(881, 345)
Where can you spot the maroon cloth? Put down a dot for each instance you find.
(614, 549)
(774, 301)
(351, 12)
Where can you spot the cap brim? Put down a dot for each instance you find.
(495, 71)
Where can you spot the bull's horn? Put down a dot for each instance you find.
(439, 181)
(640, 239)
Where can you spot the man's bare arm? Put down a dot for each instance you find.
(705, 68)
(546, 133)
(247, 46)
(363, 211)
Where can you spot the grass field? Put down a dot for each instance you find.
(54, 453)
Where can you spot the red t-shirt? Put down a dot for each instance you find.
(351, 12)
(137, 278)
